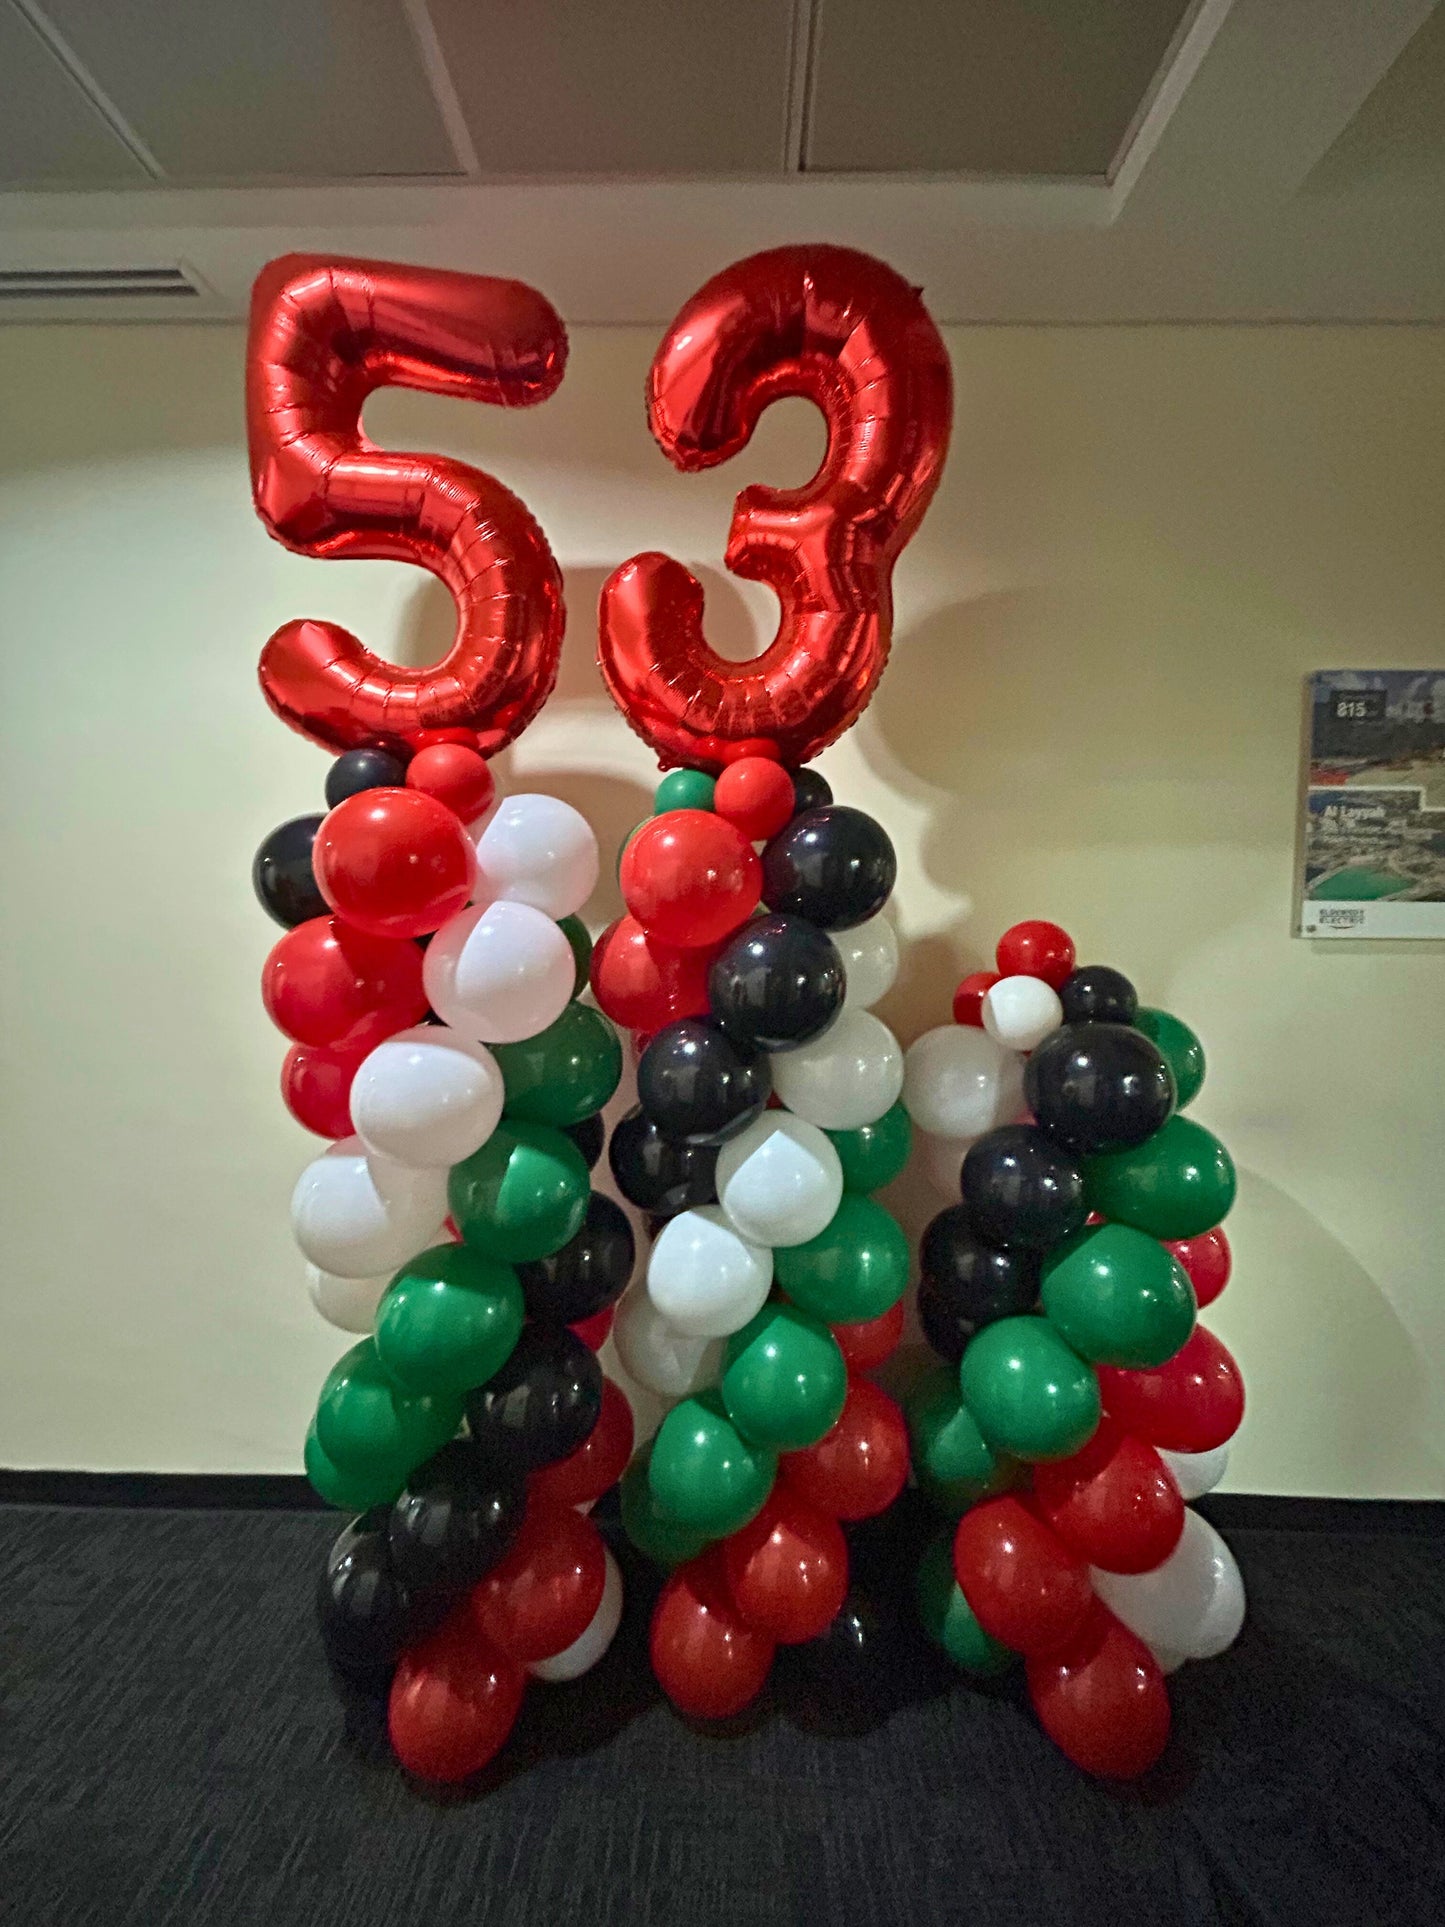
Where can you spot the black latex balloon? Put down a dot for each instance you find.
(1020, 1188)
(588, 1274)
(455, 1520)
(834, 865)
(810, 790)
(975, 1282)
(700, 1086)
(541, 1405)
(366, 1614)
(657, 1175)
(1095, 994)
(282, 875)
(362, 769)
(589, 1135)
(1099, 1087)
(777, 984)
(945, 1331)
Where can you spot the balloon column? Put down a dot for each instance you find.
(1079, 1406)
(428, 979)
(752, 949)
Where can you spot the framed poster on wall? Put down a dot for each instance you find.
(1372, 838)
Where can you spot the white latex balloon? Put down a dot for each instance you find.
(1020, 1012)
(348, 1303)
(536, 850)
(780, 1180)
(1167, 1660)
(1192, 1605)
(589, 1646)
(705, 1278)
(870, 959)
(941, 1159)
(427, 1096)
(499, 973)
(655, 1353)
(356, 1216)
(846, 1078)
(1196, 1473)
(959, 1083)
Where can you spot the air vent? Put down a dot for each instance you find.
(97, 284)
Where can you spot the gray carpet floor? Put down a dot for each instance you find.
(171, 1751)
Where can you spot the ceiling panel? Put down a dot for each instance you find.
(231, 89)
(1398, 136)
(621, 86)
(49, 131)
(981, 86)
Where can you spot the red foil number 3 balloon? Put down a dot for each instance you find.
(848, 333)
(324, 334)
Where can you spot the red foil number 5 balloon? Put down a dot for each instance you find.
(852, 336)
(324, 334)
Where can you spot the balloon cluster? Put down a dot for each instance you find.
(768, 1111)
(1080, 1405)
(429, 979)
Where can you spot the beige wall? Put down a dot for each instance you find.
(1145, 538)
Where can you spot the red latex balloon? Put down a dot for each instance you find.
(1025, 1587)
(868, 1341)
(327, 983)
(756, 796)
(690, 879)
(1191, 1403)
(316, 1085)
(543, 1594)
(593, 1331)
(454, 1700)
(325, 333)
(787, 1570)
(1036, 949)
(846, 332)
(859, 1468)
(1103, 1701)
(1114, 1503)
(968, 998)
(640, 984)
(429, 738)
(454, 775)
(597, 1464)
(708, 1660)
(394, 862)
(1208, 1261)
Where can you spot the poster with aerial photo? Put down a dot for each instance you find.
(1373, 837)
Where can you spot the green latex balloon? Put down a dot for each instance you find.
(523, 1195)
(576, 933)
(352, 1491)
(1032, 1396)
(875, 1154)
(369, 1428)
(948, 1619)
(684, 789)
(565, 1073)
(1181, 1050)
(856, 1267)
(784, 1379)
(1174, 1185)
(1118, 1297)
(955, 1464)
(448, 1320)
(704, 1474)
(655, 1533)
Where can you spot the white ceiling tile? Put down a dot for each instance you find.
(241, 89)
(621, 86)
(981, 86)
(49, 130)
